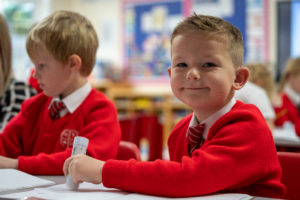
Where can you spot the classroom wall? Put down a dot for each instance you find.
(105, 16)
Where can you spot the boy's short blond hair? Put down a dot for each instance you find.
(63, 34)
(216, 29)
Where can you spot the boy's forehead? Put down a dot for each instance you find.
(39, 51)
(219, 37)
(196, 37)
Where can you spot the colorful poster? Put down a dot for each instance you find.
(147, 29)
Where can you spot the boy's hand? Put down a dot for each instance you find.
(8, 162)
(84, 168)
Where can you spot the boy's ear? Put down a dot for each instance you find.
(241, 77)
(169, 71)
(75, 62)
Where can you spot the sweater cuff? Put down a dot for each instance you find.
(22, 165)
(113, 173)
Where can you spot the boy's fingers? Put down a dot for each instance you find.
(66, 166)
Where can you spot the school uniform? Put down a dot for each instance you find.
(42, 145)
(238, 155)
(288, 111)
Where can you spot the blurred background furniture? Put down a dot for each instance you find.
(128, 150)
(146, 132)
(290, 163)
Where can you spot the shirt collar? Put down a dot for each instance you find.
(213, 118)
(294, 96)
(73, 101)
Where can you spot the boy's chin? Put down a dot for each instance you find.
(48, 93)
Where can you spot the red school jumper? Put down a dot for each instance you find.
(42, 145)
(287, 112)
(238, 155)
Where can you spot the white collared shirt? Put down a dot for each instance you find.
(212, 118)
(293, 96)
(73, 101)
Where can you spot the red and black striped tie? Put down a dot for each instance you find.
(55, 108)
(195, 136)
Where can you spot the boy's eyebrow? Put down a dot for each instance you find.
(176, 57)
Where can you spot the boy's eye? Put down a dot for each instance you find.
(40, 66)
(208, 65)
(181, 65)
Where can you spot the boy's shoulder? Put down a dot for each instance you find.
(38, 99)
(35, 103)
(97, 96)
(95, 100)
(239, 112)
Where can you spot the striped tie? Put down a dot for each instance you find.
(55, 108)
(195, 135)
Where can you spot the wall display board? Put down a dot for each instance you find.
(147, 29)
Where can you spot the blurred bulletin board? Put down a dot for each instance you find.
(148, 25)
(250, 16)
(257, 31)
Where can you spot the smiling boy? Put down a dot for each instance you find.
(235, 151)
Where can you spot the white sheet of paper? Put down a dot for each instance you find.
(12, 179)
(86, 191)
(90, 191)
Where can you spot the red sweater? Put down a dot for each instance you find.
(238, 155)
(287, 112)
(42, 145)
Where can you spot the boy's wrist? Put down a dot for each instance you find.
(13, 163)
(8, 162)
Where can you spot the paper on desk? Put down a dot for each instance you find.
(88, 191)
(12, 179)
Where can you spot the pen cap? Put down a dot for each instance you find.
(80, 145)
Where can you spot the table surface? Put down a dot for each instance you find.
(91, 191)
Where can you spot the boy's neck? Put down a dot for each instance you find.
(216, 114)
(203, 114)
(77, 84)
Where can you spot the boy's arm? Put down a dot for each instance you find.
(235, 158)
(10, 138)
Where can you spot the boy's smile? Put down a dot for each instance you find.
(202, 73)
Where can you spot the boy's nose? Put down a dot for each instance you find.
(193, 74)
(34, 74)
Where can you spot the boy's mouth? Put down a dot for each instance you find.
(194, 88)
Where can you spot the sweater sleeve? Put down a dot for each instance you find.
(10, 138)
(233, 156)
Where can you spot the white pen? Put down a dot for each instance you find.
(80, 145)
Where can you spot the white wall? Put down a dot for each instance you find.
(106, 18)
